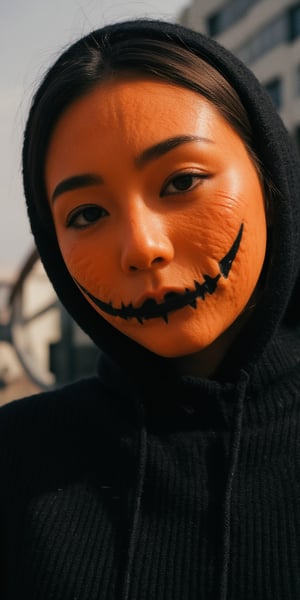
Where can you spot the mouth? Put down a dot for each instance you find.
(151, 309)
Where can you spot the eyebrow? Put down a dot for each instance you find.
(76, 182)
(165, 146)
(152, 153)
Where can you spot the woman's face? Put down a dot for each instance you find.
(159, 213)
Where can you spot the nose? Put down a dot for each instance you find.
(145, 241)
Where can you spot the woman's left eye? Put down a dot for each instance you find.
(86, 215)
(184, 182)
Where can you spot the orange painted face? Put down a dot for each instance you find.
(159, 213)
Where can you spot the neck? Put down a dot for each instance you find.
(206, 362)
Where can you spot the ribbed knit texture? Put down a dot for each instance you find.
(67, 497)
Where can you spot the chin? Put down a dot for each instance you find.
(172, 344)
(183, 335)
(176, 352)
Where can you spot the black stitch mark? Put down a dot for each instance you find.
(151, 309)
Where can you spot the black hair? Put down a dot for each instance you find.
(104, 55)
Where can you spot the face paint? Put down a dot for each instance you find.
(159, 213)
(151, 309)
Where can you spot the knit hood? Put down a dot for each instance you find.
(278, 306)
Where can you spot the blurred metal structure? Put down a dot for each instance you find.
(49, 345)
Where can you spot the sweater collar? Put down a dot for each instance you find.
(186, 402)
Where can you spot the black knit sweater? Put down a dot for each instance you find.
(201, 503)
(143, 484)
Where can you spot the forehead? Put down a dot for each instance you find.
(126, 94)
(137, 108)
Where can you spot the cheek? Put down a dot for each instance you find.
(251, 259)
(88, 264)
(206, 234)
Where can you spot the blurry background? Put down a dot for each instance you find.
(32, 35)
(39, 345)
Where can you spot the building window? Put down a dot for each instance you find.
(294, 18)
(229, 14)
(274, 89)
(284, 28)
(275, 33)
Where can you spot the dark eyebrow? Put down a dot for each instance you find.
(165, 146)
(75, 182)
(80, 181)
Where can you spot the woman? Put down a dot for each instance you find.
(163, 194)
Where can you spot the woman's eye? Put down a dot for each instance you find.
(84, 216)
(183, 183)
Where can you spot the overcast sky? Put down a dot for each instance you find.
(32, 34)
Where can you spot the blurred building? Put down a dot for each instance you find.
(264, 34)
(40, 345)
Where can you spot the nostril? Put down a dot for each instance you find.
(143, 266)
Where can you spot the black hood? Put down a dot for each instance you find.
(279, 306)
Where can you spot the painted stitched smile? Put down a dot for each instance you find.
(151, 309)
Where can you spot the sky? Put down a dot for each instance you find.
(32, 35)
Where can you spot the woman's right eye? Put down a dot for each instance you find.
(84, 216)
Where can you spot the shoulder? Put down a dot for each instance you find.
(58, 439)
(55, 420)
(53, 404)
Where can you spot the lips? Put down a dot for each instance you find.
(172, 301)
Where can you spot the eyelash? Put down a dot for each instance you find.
(98, 212)
(82, 211)
(199, 177)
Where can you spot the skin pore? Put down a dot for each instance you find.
(150, 190)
